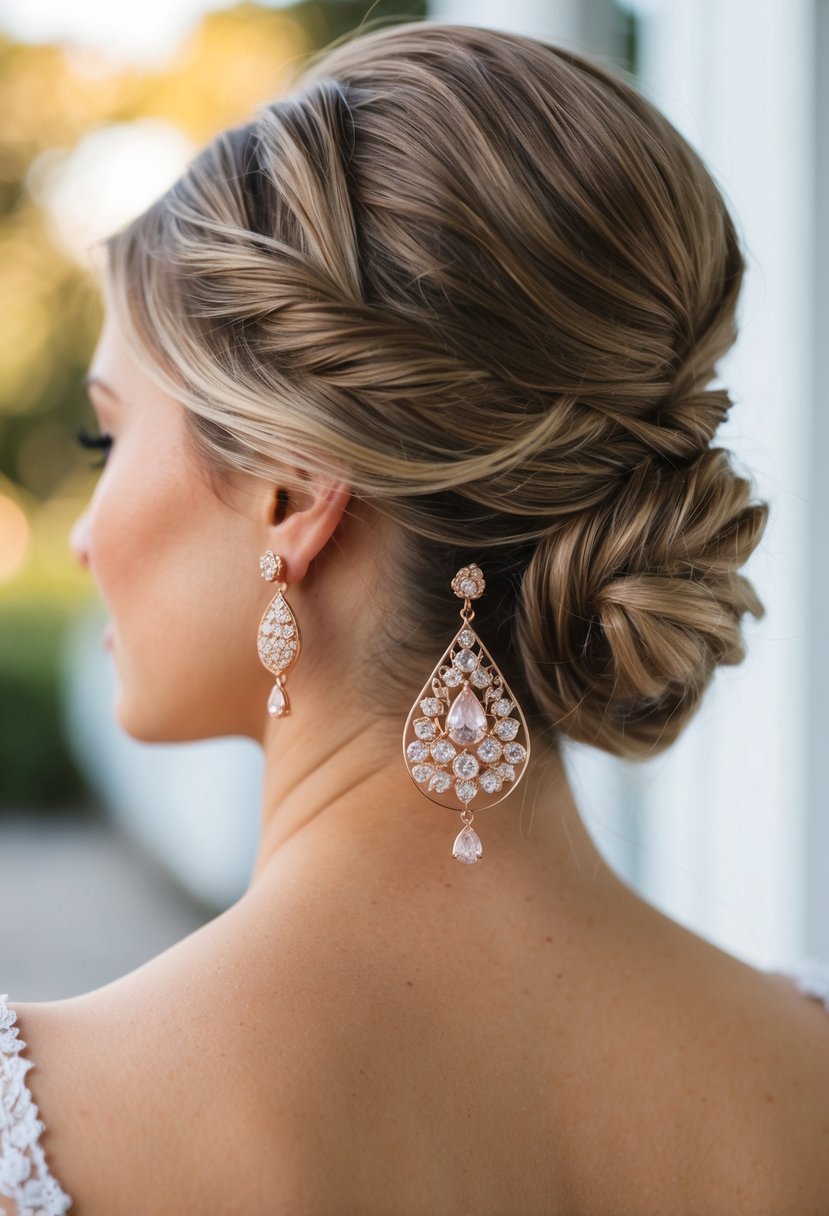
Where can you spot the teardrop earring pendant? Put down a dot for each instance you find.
(466, 738)
(278, 640)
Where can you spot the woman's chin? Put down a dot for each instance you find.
(177, 709)
(137, 728)
(144, 726)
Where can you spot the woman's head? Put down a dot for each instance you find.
(484, 283)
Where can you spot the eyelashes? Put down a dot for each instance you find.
(95, 441)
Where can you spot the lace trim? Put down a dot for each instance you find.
(24, 1174)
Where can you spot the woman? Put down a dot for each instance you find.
(426, 346)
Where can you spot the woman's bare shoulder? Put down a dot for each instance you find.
(735, 1066)
(618, 1036)
(281, 1052)
(165, 1091)
(439, 1023)
(607, 1033)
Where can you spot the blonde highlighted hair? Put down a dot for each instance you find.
(486, 281)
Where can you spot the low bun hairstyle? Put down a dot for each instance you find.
(486, 281)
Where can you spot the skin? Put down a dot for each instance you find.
(401, 1033)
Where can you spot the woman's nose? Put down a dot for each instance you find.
(79, 539)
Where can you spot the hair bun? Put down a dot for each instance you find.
(627, 610)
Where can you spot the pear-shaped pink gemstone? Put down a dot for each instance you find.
(467, 847)
(466, 720)
(278, 702)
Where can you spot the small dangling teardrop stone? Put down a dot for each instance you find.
(278, 702)
(467, 847)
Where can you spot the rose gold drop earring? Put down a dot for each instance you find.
(278, 640)
(466, 739)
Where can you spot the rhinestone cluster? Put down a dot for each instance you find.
(278, 639)
(435, 760)
(270, 565)
(469, 583)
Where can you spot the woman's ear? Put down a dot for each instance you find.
(299, 522)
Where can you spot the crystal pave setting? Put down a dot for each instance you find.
(278, 641)
(466, 739)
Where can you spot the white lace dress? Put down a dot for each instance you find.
(24, 1174)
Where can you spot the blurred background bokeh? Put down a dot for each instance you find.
(110, 849)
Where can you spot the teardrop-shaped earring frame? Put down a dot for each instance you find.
(478, 773)
(278, 639)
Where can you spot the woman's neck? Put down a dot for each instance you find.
(349, 788)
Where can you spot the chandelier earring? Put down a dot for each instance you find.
(278, 640)
(466, 738)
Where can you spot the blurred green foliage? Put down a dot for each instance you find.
(51, 98)
(35, 763)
